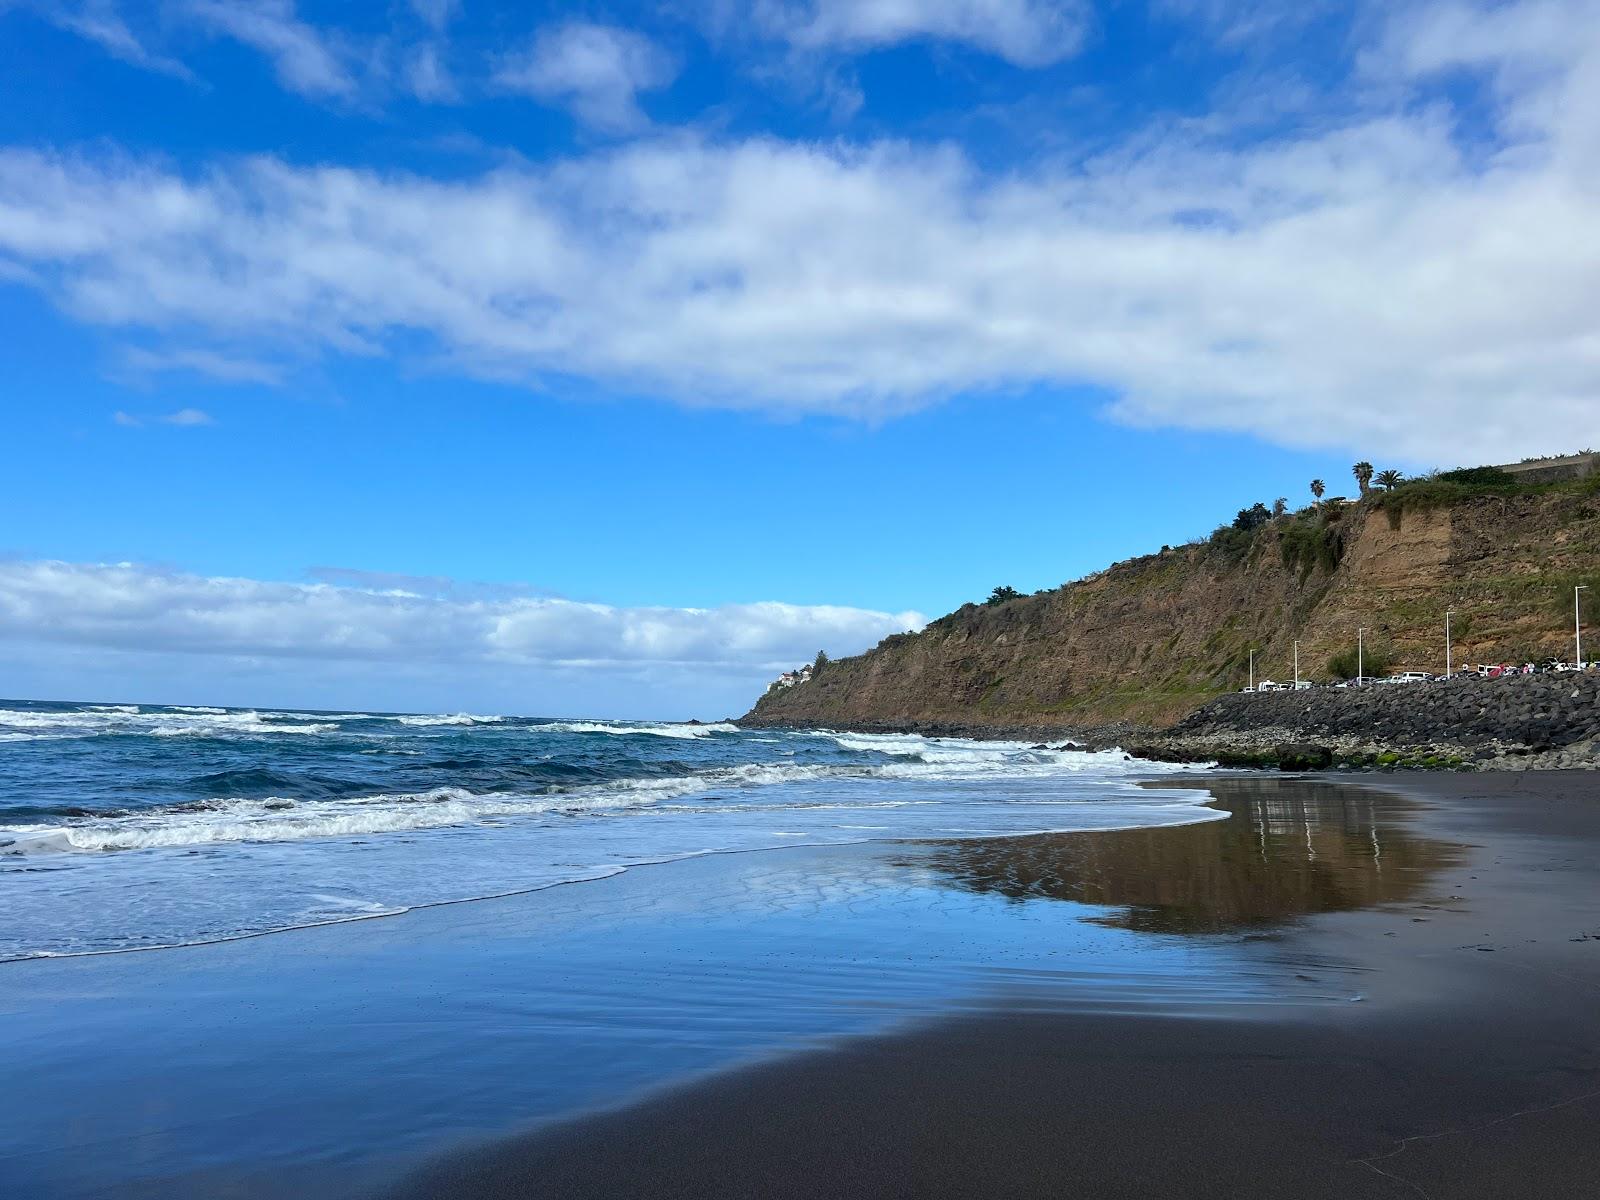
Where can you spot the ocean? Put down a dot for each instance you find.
(129, 826)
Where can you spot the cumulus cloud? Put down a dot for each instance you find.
(140, 609)
(1385, 280)
(305, 59)
(1029, 33)
(596, 71)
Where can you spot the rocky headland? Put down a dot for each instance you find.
(1152, 652)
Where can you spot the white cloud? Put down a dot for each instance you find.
(135, 608)
(1384, 283)
(304, 57)
(1237, 21)
(594, 70)
(427, 76)
(227, 367)
(436, 13)
(101, 22)
(187, 418)
(1028, 33)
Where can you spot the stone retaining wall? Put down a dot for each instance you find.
(1533, 720)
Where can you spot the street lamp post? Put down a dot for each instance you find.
(1449, 660)
(1577, 622)
(1252, 670)
(1361, 657)
(1297, 666)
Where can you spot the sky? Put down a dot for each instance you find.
(609, 359)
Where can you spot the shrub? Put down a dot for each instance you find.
(1307, 545)
(1484, 477)
(1343, 665)
(1232, 541)
(1001, 594)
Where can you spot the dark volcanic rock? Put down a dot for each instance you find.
(1543, 720)
(1302, 756)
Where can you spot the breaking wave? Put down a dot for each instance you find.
(164, 825)
(666, 729)
(275, 818)
(169, 722)
(449, 719)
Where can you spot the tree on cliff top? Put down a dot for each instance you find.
(1389, 480)
(1253, 517)
(1317, 488)
(1363, 473)
(1001, 594)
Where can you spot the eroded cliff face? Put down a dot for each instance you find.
(1148, 641)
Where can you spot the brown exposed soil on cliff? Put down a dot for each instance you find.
(1150, 640)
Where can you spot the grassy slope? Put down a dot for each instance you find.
(1150, 639)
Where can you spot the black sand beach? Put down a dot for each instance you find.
(1353, 986)
(1471, 1068)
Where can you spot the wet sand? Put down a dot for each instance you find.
(1467, 1064)
(1335, 991)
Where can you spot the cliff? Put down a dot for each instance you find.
(1148, 641)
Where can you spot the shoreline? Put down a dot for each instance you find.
(787, 1004)
(1203, 815)
(1282, 746)
(1475, 1075)
(1096, 737)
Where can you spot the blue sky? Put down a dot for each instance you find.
(645, 349)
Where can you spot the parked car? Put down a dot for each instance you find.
(1411, 677)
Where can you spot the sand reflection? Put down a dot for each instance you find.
(1290, 848)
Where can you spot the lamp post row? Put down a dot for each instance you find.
(1449, 647)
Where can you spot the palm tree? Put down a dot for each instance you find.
(1389, 480)
(1280, 506)
(1363, 473)
(1317, 488)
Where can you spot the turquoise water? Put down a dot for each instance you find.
(135, 826)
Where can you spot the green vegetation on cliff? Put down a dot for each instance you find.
(1148, 640)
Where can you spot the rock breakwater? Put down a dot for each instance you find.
(1544, 721)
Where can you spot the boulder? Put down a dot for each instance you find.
(1303, 756)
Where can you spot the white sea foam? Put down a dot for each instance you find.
(244, 865)
(967, 758)
(449, 719)
(321, 718)
(128, 719)
(666, 729)
(285, 819)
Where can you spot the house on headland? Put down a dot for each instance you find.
(790, 678)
